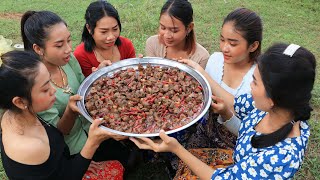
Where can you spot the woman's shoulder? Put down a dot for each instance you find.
(202, 50)
(26, 150)
(152, 39)
(79, 48)
(125, 41)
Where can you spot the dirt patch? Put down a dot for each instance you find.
(12, 16)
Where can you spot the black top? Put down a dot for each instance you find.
(60, 165)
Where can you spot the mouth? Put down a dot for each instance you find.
(109, 43)
(168, 42)
(226, 56)
(67, 58)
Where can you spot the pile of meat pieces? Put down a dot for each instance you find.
(145, 100)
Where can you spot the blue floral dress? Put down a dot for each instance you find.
(280, 161)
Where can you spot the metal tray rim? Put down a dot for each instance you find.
(84, 87)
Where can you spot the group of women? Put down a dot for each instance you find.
(255, 116)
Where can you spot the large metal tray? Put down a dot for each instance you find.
(133, 63)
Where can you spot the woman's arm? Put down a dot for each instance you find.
(217, 90)
(66, 122)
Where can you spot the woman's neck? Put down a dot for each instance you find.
(178, 48)
(52, 68)
(274, 120)
(242, 65)
(23, 119)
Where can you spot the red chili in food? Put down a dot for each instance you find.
(145, 100)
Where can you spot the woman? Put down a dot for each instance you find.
(101, 41)
(46, 34)
(231, 69)
(30, 147)
(273, 133)
(176, 38)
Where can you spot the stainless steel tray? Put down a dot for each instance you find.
(133, 63)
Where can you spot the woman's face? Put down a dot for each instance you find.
(106, 32)
(262, 101)
(42, 93)
(172, 31)
(58, 46)
(233, 46)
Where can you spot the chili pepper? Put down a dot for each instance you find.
(103, 98)
(199, 87)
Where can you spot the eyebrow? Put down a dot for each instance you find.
(254, 78)
(60, 41)
(174, 27)
(233, 40)
(46, 83)
(108, 28)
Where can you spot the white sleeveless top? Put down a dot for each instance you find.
(215, 69)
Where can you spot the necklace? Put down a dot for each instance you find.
(65, 86)
(97, 52)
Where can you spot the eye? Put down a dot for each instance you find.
(221, 39)
(175, 30)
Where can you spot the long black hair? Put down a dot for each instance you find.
(183, 11)
(35, 26)
(17, 75)
(288, 82)
(249, 24)
(96, 11)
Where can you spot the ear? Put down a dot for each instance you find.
(20, 103)
(270, 102)
(254, 46)
(37, 49)
(190, 27)
(88, 28)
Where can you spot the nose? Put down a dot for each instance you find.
(168, 34)
(53, 90)
(110, 36)
(69, 48)
(225, 47)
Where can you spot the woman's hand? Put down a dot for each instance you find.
(165, 144)
(104, 63)
(140, 55)
(218, 105)
(96, 134)
(191, 63)
(72, 104)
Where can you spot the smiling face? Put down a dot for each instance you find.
(172, 31)
(106, 32)
(57, 46)
(233, 46)
(42, 93)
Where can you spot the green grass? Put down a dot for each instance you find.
(287, 21)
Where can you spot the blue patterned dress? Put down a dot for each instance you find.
(280, 161)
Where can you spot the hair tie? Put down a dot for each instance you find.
(291, 49)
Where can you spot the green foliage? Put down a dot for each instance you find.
(284, 21)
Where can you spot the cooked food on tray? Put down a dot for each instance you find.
(145, 100)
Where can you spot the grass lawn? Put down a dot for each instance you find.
(287, 21)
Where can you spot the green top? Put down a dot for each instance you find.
(77, 136)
